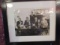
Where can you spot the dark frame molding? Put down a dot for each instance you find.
(4, 12)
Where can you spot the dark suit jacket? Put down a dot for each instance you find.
(32, 18)
(19, 22)
(26, 23)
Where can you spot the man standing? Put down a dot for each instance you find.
(32, 19)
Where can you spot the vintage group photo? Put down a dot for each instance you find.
(31, 22)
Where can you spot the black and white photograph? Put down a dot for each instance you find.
(31, 21)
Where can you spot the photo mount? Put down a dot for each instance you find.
(4, 11)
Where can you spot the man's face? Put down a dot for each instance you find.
(31, 13)
(17, 16)
(44, 18)
(27, 18)
(19, 19)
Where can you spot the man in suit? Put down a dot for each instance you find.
(44, 25)
(27, 23)
(32, 19)
(19, 23)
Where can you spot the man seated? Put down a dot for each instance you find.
(44, 25)
(27, 23)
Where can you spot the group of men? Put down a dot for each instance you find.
(37, 24)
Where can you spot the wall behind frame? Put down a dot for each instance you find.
(58, 26)
(2, 37)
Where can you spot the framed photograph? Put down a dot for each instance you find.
(31, 21)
